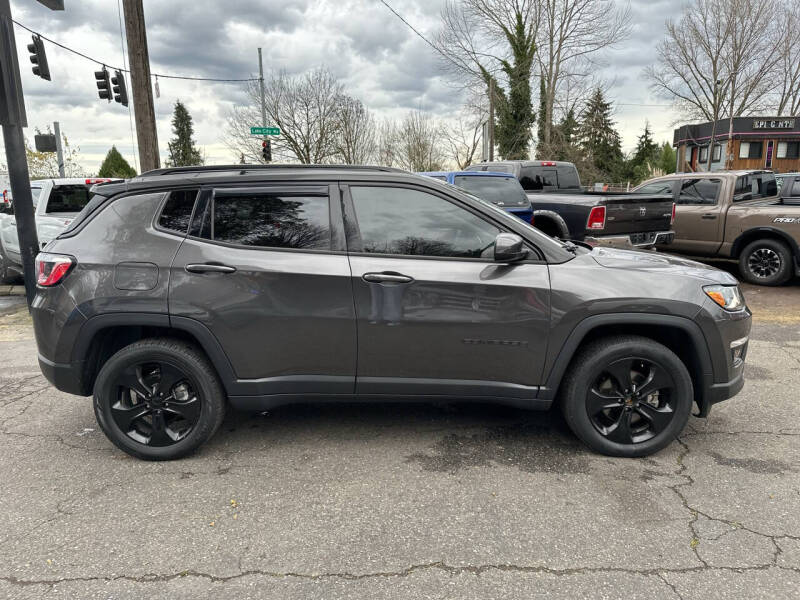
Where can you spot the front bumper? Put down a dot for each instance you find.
(628, 241)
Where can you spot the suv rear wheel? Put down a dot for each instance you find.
(627, 396)
(158, 399)
(766, 262)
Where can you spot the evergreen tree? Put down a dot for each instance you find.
(599, 139)
(667, 158)
(114, 165)
(645, 157)
(541, 151)
(182, 151)
(569, 127)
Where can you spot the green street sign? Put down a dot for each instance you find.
(265, 131)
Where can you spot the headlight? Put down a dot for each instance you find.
(728, 297)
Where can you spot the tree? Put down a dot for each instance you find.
(387, 143)
(543, 146)
(484, 41)
(716, 60)
(44, 165)
(571, 38)
(417, 145)
(305, 107)
(667, 158)
(645, 156)
(465, 136)
(787, 101)
(182, 151)
(356, 142)
(599, 139)
(114, 165)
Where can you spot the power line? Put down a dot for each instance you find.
(101, 62)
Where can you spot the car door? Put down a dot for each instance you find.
(699, 218)
(435, 314)
(265, 270)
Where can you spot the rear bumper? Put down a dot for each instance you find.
(645, 239)
(65, 377)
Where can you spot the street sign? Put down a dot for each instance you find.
(265, 131)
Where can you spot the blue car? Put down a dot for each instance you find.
(500, 189)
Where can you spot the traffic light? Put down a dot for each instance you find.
(103, 84)
(266, 151)
(39, 58)
(119, 89)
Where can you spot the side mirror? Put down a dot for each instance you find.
(509, 247)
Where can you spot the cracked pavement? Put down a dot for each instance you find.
(398, 501)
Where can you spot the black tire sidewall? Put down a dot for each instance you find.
(588, 366)
(780, 277)
(204, 382)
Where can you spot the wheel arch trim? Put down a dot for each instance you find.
(555, 217)
(755, 233)
(576, 337)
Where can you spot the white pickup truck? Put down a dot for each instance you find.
(56, 202)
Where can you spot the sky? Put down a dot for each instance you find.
(379, 59)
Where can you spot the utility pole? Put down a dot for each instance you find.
(140, 85)
(491, 119)
(263, 97)
(13, 119)
(59, 149)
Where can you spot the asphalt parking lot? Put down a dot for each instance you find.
(405, 501)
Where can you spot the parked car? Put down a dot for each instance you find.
(56, 202)
(563, 210)
(184, 291)
(501, 189)
(734, 214)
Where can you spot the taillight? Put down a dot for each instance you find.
(548, 163)
(597, 218)
(532, 219)
(672, 220)
(92, 180)
(52, 268)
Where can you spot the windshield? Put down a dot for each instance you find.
(68, 198)
(503, 191)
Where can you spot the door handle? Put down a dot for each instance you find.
(386, 278)
(709, 216)
(209, 268)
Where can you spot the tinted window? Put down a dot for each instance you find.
(568, 178)
(752, 187)
(537, 178)
(699, 191)
(68, 199)
(408, 222)
(497, 190)
(178, 210)
(273, 221)
(656, 188)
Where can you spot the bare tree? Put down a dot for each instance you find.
(788, 67)
(418, 143)
(464, 137)
(356, 142)
(386, 143)
(305, 107)
(571, 37)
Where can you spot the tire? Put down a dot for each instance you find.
(7, 275)
(598, 410)
(766, 262)
(152, 423)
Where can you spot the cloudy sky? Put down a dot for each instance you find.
(380, 60)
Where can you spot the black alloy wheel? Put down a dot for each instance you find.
(156, 404)
(631, 400)
(764, 263)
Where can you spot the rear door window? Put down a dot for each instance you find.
(699, 191)
(271, 220)
(68, 198)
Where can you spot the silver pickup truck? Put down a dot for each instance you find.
(56, 202)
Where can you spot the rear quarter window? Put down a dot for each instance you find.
(177, 211)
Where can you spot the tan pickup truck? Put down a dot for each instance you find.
(738, 215)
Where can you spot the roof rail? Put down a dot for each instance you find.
(246, 168)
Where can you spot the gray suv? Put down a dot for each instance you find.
(184, 291)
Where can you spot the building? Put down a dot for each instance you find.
(757, 142)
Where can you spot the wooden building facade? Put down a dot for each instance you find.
(771, 143)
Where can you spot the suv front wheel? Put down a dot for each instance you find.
(158, 399)
(627, 396)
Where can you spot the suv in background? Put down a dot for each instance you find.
(500, 189)
(183, 291)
